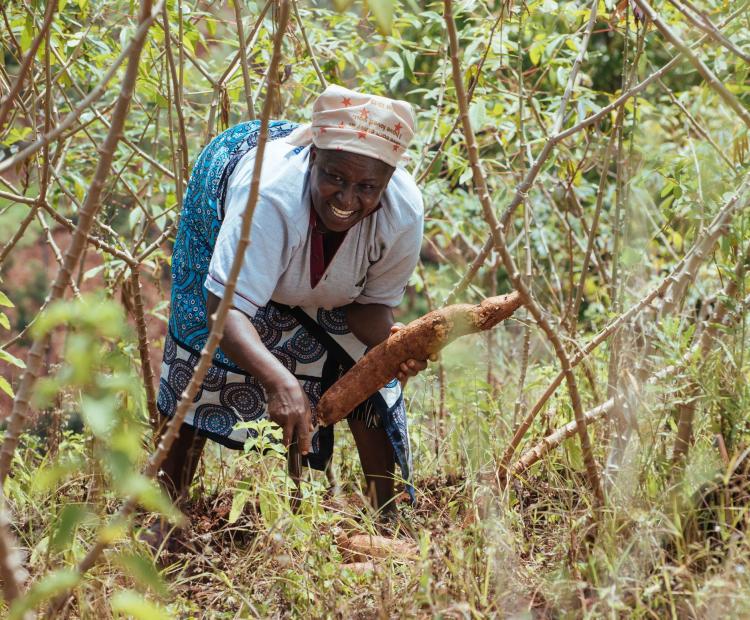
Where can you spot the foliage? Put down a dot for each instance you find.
(678, 155)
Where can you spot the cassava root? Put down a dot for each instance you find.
(363, 548)
(419, 340)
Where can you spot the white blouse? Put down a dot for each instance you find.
(372, 265)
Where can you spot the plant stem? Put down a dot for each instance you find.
(214, 337)
(78, 243)
(498, 234)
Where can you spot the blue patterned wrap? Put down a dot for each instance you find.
(314, 344)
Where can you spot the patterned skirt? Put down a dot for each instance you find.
(315, 345)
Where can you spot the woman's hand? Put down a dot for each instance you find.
(372, 324)
(287, 403)
(289, 408)
(411, 367)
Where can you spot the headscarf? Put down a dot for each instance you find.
(371, 125)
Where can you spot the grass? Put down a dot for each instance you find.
(530, 551)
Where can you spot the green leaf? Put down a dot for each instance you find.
(93, 272)
(99, 414)
(70, 517)
(342, 5)
(4, 301)
(548, 6)
(5, 387)
(477, 115)
(238, 504)
(113, 532)
(27, 34)
(143, 571)
(151, 496)
(535, 52)
(269, 508)
(17, 133)
(131, 604)
(562, 76)
(11, 359)
(134, 217)
(4, 320)
(411, 58)
(54, 583)
(382, 11)
(47, 478)
(630, 257)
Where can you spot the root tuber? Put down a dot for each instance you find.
(364, 547)
(360, 568)
(418, 340)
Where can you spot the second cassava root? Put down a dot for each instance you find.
(419, 340)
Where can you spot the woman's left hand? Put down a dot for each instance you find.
(411, 367)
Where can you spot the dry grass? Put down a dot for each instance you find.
(536, 550)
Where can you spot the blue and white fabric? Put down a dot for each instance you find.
(314, 344)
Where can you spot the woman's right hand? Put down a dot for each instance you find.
(287, 403)
(289, 408)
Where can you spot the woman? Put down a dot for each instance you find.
(335, 237)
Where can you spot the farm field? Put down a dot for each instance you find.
(586, 457)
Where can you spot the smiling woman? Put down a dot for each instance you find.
(335, 237)
(345, 187)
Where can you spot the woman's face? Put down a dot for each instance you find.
(345, 187)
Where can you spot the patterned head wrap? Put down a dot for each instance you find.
(346, 120)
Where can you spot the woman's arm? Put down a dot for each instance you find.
(287, 403)
(373, 323)
(370, 323)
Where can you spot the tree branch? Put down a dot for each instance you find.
(705, 72)
(217, 328)
(93, 96)
(705, 241)
(243, 60)
(318, 72)
(72, 256)
(143, 347)
(706, 25)
(499, 236)
(27, 61)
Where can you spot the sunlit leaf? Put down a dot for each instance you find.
(535, 53)
(11, 359)
(70, 517)
(477, 115)
(5, 387)
(5, 301)
(113, 532)
(342, 5)
(238, 505)
(99, 414)
(46, 478)
(46, 588)
(142, 570)
(130, 604)
(90, 273)
(151, 496)
(382, 11)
